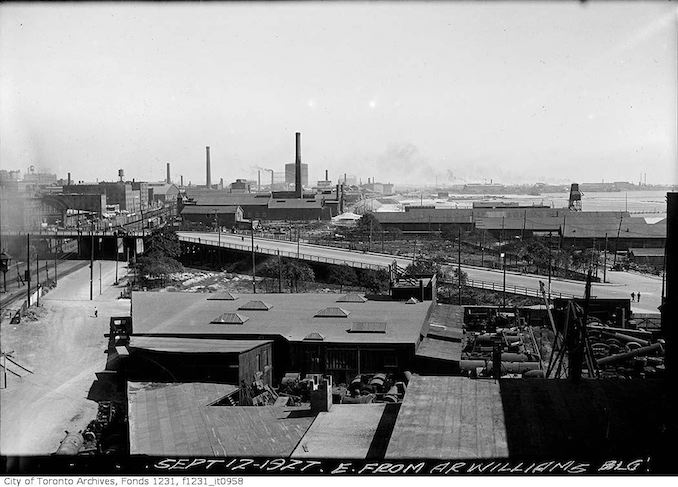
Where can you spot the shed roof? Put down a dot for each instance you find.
(292, 317)
(209, 210)
(345, 431)
(424, 216)
(177, 419)
(461, 418)
(647, 252)
(193, 345)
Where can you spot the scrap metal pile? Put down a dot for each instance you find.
(363, 389)
(627, 353)
(503, 338)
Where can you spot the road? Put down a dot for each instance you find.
(620, 284)
(14, 286)
(65, 349)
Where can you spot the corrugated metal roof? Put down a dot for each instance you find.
(314, 337)
(431, 347)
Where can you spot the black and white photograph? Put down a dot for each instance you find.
(346, 240)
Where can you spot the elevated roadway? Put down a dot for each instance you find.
(620, 284)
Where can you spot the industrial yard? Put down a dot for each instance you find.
(337, 240)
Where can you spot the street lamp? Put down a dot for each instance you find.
(503, 257)
(4, 267)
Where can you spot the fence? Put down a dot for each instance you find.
(283, 253)
(512, 289)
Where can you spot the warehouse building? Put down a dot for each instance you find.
(341, 336)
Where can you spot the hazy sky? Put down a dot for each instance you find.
(404, 92)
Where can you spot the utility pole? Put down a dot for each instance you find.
(279, 273)
(56, 248)
(482, 250)
(91, 264)
(459, 265)
(28, 268)
(99, 278)
(369, 242)
(522, 234)
(117, 250)
(616, 242)
(298, 238)
(503, 256)
(549, 289)
(605, 261)
(254, 269)
(37, 278)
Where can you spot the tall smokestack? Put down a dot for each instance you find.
(208, 178)
(69, 179)
(327, 177)
(259, 180)
(344, 178)
(168, 180)
(297, 168)
(182, 180)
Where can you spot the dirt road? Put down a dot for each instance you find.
(64, 348)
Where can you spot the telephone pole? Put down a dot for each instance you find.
(91, 264)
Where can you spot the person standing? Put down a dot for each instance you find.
(633, 297)
(638, 296)
(96, 313)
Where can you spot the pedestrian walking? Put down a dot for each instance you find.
(633, 297)
(639, 296)
(96, 313)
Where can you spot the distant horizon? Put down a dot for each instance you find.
(405, 92)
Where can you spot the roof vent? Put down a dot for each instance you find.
(411, 301)
(314, 337)
(256, 306)
(368, 327)
(225, 296)
(230, 319)
(352, 298)
(332, 312)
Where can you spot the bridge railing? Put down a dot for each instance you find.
(512, 289)
(282, 253)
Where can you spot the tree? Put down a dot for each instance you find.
(165, 241)
(375, 281)
(423, 266)
(162, 251)
(343, 275)
(295, 272)
(368, 224)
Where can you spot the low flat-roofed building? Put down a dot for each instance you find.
(172, 419)
(459, 418)
(314, 333)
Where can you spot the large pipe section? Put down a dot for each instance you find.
(297, 167)
(655, 347)
(208, 170)
(167, 179)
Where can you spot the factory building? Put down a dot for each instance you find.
(119, 193)
(162, 192)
